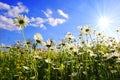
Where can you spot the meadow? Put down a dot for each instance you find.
(90, 56)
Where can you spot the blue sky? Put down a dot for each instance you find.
(54, 18)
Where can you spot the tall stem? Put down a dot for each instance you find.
(86, 38)
(24, 37)
(91, 39)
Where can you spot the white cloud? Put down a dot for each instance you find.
(38, 22)
(43, 26)
(48, 12)
(55, 22)
(4, 6)
(17, 10)
(62, 13)
(7, 23)
(51, 20)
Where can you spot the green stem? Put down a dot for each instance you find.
(87, 39)
(91, 37)
(24, 37)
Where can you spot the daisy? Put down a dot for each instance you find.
(48, 60)
(86, 30)
(62, 43)
(69, 36)
(33, 77)
(70, 46)
(79, 28)
(21, 21)
(49, 43)
(99, 34)
(38, 37)
(26, 68)
(117, 30)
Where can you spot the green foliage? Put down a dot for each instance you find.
(98, 58)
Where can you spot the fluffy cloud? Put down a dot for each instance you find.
(48, 13)
(62, 13)
(53, 21)
(10, 12)
(7, 23)
(38, 22)
(4, 6)
(14, 11)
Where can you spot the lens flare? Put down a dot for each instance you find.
(104, 22)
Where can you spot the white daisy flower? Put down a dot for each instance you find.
(49, 43)
(118, 60)
(69, 36)
(93, 55)
(113, 71)
(86, 30)
(48, 60)
(118, 30)
(62, 43)
(33, 77)
(69, 33)
(37, 57)
(113, 55)
(79, 28)
(53, 48)
(38, 37)
(80, 53)
(99, 34)
(21, 21)
(70, 46)
(16, 75)
(74, 74)
(26, 68)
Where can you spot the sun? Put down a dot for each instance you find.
(104, 22)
